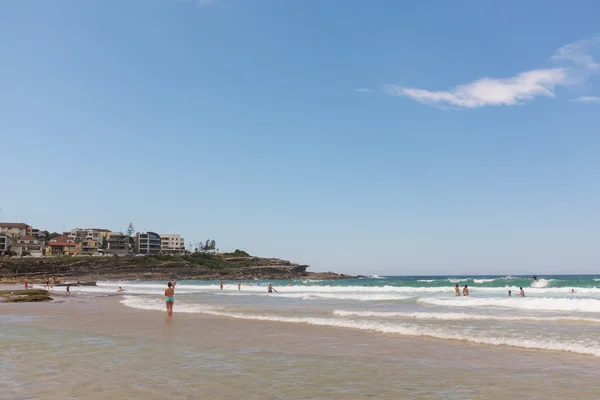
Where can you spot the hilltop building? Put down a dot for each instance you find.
(148, 242)
(79, 235)
(118, 244)
(5, 244)
(172, 243)
(15, 229)
(28, 245)
(61, 249)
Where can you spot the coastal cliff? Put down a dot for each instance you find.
(200, 266)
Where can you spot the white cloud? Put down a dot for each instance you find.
(578, 53)
(363, 90)
(575, 65)
(587, 99)
(489, 91)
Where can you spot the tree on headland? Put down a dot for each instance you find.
(47, 236)
(130, 230)
(213, 245)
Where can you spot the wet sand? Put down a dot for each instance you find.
(97, 348)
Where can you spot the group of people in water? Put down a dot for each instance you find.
(465, 291)
(170, 293)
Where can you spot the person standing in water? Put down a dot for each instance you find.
(510, 293)
(457, 290)
(169, 294)
(68, 289)
(239, 285)
(271, 289)
(466, 291)
(221, 285)
(522, 292)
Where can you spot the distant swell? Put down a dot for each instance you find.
(531, 303)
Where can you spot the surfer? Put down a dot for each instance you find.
(271, 289)
(535, 278)
(521, 293)
(457, 290)
(466, 290)
(169, 294)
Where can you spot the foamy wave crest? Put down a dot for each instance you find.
(450, 316)
(483, 280)
(377, 277)
(542, 304)
(142, 303)
(390, 328)
(541, 344)
(332, 296)
(541, 283)
(426, 280)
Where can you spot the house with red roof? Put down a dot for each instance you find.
(61, 249)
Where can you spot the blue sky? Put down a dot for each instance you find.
(363, 137)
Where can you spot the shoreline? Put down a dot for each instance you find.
(394, 366)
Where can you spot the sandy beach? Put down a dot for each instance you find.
(95, 348)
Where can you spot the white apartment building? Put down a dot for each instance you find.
(79, 235)
(172, 243)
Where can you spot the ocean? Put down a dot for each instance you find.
(372, 338)
(549, 317)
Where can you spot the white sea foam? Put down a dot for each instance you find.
(541, 283)
(527, 303)
(377, 277)
(390, 328)
(483, 280)
(159, 305)
(331, 296)
(426, 280)
(452, 316)
(377, 293)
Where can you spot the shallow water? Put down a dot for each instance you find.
(308, 341)
(550, 317)
(98, 350)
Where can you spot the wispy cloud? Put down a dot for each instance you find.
(587, 99)
(574, 65)
(363, 90)
(579, 53)
(489, 91)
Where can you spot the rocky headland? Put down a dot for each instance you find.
(197, 266)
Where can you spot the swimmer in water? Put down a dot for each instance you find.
(521, 293)
(221, 285)
(572, 290)
(239, 285)
(510, 293)
(466, 291)
(169, 294)
(457, 290)
(271, 289)
(120, 290)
